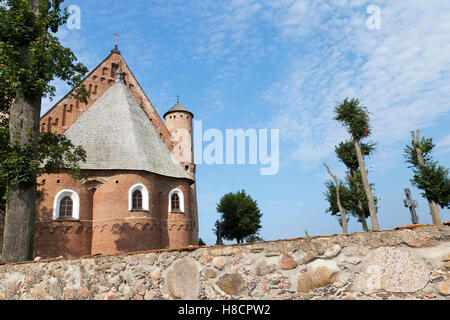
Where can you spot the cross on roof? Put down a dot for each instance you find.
(116, 41)
(178, 98)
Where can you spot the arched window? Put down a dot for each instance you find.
(66, 205)
(138, 198)
(176, 201)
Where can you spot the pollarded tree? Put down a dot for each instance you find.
(240, 216)
(355, 117)
(346, 152)
(30, 58)
(432, 179)
(337, 208)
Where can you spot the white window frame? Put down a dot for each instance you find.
(145, 199)
(75, 206)
(180, 196)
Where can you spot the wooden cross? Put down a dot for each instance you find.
(412, 205)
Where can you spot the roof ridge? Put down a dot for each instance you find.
(124, 140)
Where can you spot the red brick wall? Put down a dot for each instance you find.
(62, 238)
(106, 225)
(65, 112)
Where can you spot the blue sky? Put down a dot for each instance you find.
(285, 64)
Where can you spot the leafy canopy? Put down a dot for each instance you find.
(426, 145)
(346, 152)
(20, 167)
(432, 179)
(355, 117)
(31, 57)
(330, 196)
(240, 216)
(351, 194)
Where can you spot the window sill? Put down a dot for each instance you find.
(177, 212)
(60, 219)
(139, 210)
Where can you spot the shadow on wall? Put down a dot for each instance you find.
(140, 237)
(64, 237)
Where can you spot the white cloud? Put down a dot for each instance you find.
(400, 72)
(444, 142)
(444, 145)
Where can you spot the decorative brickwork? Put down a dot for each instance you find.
(106, 225)
(66, 111)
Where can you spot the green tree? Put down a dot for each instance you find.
(355, 117)
(337, 200)
(201, 242)
(346, 152)
(30, 58)
(332, 199)
(240, 216)
(254, 238)
(429, 177)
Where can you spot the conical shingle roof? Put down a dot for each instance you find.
(117, 134)
(178, 108)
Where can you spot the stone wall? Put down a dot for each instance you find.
(411, 263)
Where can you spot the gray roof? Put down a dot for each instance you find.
(177, 108)
(117, 134)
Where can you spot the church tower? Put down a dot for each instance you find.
(178, 121)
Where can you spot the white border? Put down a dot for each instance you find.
(144, 191)
(180, 195)
(75, 199)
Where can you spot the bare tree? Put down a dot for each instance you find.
(341, 208)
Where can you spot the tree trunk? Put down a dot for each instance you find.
(21, 207)
(370, 201)
(20, 214)
(362, 217)
(434, 209)
(341, 209)
(435, 212)
(219, 235)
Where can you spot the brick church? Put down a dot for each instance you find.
(138, 191)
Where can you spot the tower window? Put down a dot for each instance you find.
(137, 200)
